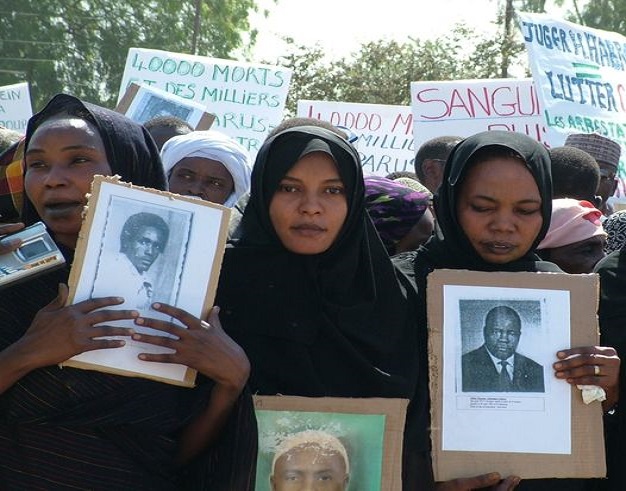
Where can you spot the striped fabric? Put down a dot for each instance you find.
(77, 429)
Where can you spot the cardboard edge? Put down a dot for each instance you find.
(586, 462)
(82, 247)
(206, 121)
(127, 98)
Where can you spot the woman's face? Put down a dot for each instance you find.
(205, 178)
(63, 155)
(309, 207)
(499, 209)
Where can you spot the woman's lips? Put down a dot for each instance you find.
(308, 229)
(60, 209)
(499, 248)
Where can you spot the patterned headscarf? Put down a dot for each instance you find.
(615, 227)
(394, 208)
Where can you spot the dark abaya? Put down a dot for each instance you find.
(330, 324)
(77, 429)
(450, 248)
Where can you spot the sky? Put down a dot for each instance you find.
(340, 26)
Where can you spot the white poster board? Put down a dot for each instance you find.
(384, 132)
(247, 99)
(465, 107)
(146, 246)
(15, 107)
(580, 79)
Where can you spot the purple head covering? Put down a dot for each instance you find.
(394, 208)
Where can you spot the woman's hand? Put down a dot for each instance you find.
(58, 333)
(591, 365)
(8, 245)
(203, 346)
(491, 481)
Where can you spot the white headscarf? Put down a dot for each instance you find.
(215, 146)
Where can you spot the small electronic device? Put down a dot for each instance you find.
(36, 253)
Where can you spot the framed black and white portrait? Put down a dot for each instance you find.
(146, 246)
(496, 405)
(141, 103)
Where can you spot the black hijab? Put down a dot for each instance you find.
(130, 150)
(128, 426)
(340, 314)
(450, 247)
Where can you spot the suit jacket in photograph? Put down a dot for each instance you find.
(480, 374)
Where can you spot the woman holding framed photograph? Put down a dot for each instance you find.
(493, 209)
(308, 290)
(69, 428)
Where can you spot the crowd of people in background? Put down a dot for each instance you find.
(322, 293)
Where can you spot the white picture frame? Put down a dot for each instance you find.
(178, 264)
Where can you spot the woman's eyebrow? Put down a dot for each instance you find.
(68, 147)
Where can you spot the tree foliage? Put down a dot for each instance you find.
(609, 15)
(80, 46)
(380, 72)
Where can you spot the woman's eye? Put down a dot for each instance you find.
(335, 190)
(287, 188)
(34, 164)
(480, 209)
(526, 211)
(216, 183)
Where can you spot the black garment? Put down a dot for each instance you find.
(450, 248)
(332, 324)
(69, 428)
(612, 316)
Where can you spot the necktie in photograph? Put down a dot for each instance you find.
(505, 379)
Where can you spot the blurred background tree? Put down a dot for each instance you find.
(80, 46)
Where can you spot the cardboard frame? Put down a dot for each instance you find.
(133, 101)
(587, 457)
(184, 273)
(334, 414)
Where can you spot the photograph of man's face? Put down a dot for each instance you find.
(310, 461)
(143, 238)
(502, 332)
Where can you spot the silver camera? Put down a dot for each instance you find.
(36, 254)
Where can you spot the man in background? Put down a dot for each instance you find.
(430, 159)
(606, 153)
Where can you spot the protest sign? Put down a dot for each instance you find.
(247, 99)
(579, 75)
(465, 107)
(384, 132)
(15, 107)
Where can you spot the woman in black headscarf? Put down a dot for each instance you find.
(69, 428)
(612, 316)
(325, 321)
(308, 290)
(493, 208)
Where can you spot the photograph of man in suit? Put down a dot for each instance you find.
(496, 366)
